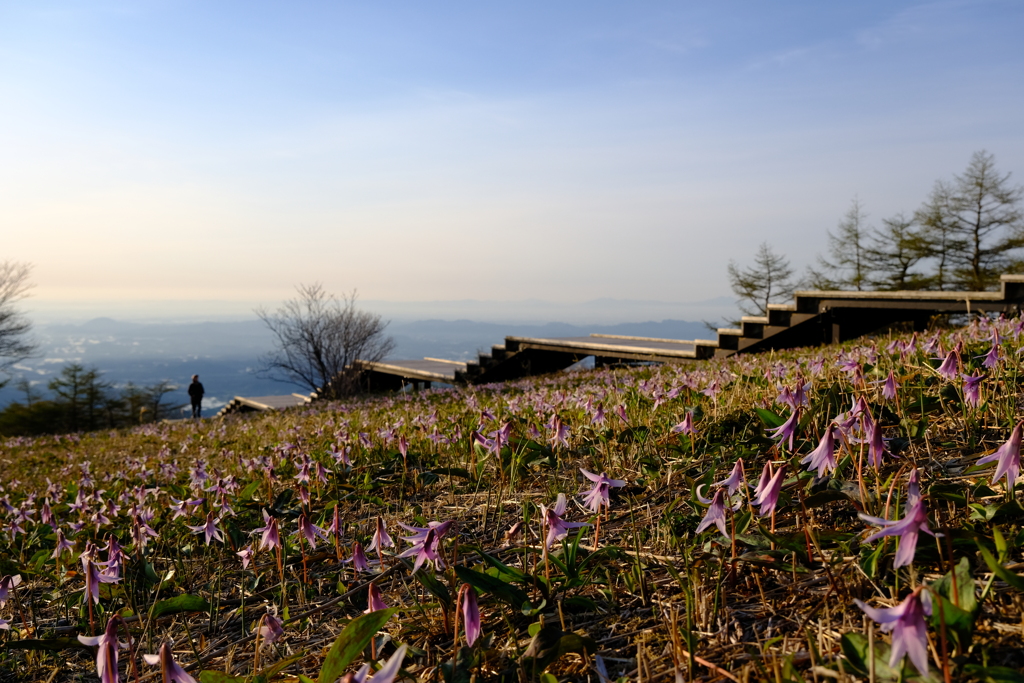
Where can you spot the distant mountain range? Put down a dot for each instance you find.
(225, 354)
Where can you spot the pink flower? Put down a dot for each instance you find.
(716, 512)
(271, 537)
(598, 495)
(686, 426)
(552, 518)
(381, 537)
(106, 655)
(374, 602)
(735, 478)
(890, 387)
(823, 457)
(169, 669)
(470, 613)
(766, 495)
(1008, 457)
(209, 529)
(907, 529)
(909, 632)
(386, 674)
(358, 558)
(787, 432)
(271, 628)
(7, 584)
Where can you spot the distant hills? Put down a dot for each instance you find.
(225, 354)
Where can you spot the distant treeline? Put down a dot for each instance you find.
(967, 233)
(80, 400)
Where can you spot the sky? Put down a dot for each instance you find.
(164, 156)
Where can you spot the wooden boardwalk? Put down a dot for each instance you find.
(814, 318)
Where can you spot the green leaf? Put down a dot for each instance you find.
(959, 623)
(513, 596)
(305, 679)
(433, 586)
(856, 650)
(210, 676)
(770, 418)
(250, 488)
(965, 593)
(816, 500)
(46, 644)
(999, 570)
(182, 603)
(951, 492)
(511, 573)
(994, 674)
(278, 667)
(351, 642)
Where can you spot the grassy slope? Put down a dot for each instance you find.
(772, 599)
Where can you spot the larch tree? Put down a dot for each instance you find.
(767, 280)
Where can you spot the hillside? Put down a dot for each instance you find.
(726, 520)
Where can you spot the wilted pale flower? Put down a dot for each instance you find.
(106, 655)
(1008, 457)
(909, 632)
(598, 495)
(170, 670)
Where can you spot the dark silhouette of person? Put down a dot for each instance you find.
(195, 394)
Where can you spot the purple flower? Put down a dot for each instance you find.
(889, 387)
(1008, 456)
(309, 531)
(381, 538)
(560, 432)
(424, 550)
(907, 529)
(598, 495)
(470, 613)
(906, 621)
(271, 538)
(823, 457)
(552, 518)
(7, 584)
(374, 602)
(106, 655)
(735, 478)
(716, 511)
(169, 669)
(271, 628)
(358, 558)
(913, 488)
(787, 432)
(972, 389)
(93, 576)
(766, 495)
(950, 366)
(686, 426)
(386, 674)
(993, 357)
(209, 529)
(876, 445)
(246, 555)
(63, 545)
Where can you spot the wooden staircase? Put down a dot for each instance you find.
(813, 318)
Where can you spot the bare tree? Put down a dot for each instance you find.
(318, 338)
(13, 325)
(762, 283)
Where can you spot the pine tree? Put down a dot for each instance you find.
(767, 280)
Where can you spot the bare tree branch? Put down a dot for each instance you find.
(319, 337)
(14, 327)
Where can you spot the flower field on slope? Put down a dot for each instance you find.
(842, 513)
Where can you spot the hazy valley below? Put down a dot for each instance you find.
(226, 354)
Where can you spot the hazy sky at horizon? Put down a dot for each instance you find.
(452, 150)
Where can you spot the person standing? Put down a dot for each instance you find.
(195, 394)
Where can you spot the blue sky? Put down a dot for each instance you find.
(196, 151)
